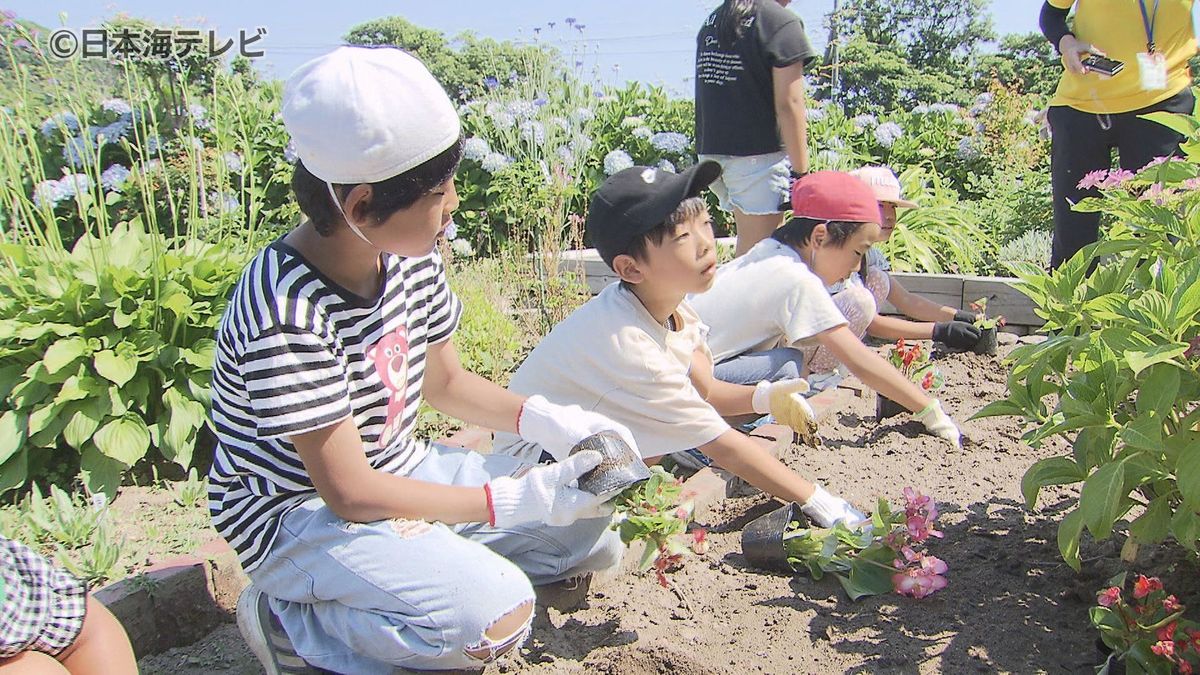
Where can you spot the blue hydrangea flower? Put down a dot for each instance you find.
(814, 114)
(921, 109)
(117, 106)
(114, 177)
(503, 120)
(982, 101)
(476, 148)
(533, 131)
(491, 82)
(828, 157)
(59, 120)
(565, 155)
(522, 109)
(224, 202)
(617, 160)
(864, 121)
(562, 123)
(633, 121)
(582, 115)
(79, 151)
(943, 108)
(153, 145)
(111, 133)
(671, 141)
(76, 183)
(643, 133)
(289, 153)
(888, 133)
(199, 115)
(540, 101)
(233, 162)
(967, 149)
(451, 231)
(494, 162)
(48, 193)
(462, 248)
(580, 144)
(665, 165)
(836, 143)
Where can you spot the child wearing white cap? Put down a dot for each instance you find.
(954, 327)
(368, 548)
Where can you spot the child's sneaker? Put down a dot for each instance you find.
(266, 637)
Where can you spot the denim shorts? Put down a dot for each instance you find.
(366, 597)
(755, 184)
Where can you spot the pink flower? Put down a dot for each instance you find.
(699, 541)
(921, 579)
(1155, 162)
(1145, 586)
(1167, 632)
(920, 512)
(1154, 193)
(1171, 604)
(1109, 596)
(1164, 648)
(1115, 179)
(1192, 184)
(1092, 179)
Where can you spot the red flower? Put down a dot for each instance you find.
(1109, 596)
(1185, 667)
(1167, 632)
(700, 541)
(927, 381)
(1145, 586)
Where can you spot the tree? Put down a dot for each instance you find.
(939, 35)
(460, 65)
(1025, 61)
(879, 78)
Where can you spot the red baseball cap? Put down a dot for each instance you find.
(834, 195)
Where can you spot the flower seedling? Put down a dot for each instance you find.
(877, 556)
(655, 511)
(982, 320)
(1148, 633)
(912, 360)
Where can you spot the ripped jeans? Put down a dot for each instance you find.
(366, 597)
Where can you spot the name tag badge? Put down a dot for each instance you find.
(1153, 68)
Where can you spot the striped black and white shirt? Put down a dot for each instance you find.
(297, 352)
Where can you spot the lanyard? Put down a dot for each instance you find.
(1148, 23)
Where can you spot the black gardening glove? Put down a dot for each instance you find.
(965, 316)
(958, 334)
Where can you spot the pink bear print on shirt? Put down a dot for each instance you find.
(390, 355)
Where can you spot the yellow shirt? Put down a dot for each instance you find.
(1116, 28)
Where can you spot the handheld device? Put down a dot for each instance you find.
(1102, 65)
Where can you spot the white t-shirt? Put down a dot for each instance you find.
(875, 261)
(612, 357)
(762, 300)
(297, 352)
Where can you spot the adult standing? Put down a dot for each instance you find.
(750, 109)
(1091, 113)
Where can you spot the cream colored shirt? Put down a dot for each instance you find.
(612, 357)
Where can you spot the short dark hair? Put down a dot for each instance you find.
(387, 196)
(687, 209)
(797, 231)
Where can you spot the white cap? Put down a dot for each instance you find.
(366, 114)
(884, 184)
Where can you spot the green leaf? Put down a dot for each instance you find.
(185, 417)
(14, 472)
(84, 423)
(63, 353)
(1182, 124)
(1069, 531)
(1187, 478)
(14, 428)
(201, 354)
(1100, 500)
(1158, 391)
(100, 473)
(1185, 525)
(1153, 526)
(1144, 432)
(115, 367)
(124, 439)
(1049, 471)
(1143, 359)
(999, 408)
(42, 417)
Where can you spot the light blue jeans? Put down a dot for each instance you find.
(754, 184)
(366, 597)
(782, 363)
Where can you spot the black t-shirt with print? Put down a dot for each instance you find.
(735, 102)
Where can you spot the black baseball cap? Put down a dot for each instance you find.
(634, 201)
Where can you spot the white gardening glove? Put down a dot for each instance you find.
(938, 423)
(784, 400)
(544, 494)
(558, 428)
(826, 510)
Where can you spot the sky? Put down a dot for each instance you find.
(650, 41)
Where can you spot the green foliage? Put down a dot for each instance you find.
(941, 236)
(193, 491)
(1031, 248)
(1119, 375)
(1026, 62)
(460, 68)
(1148, 634)
(107, 353)
(651, 512)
